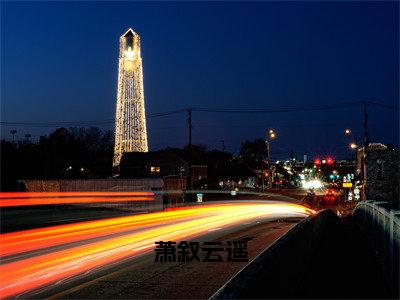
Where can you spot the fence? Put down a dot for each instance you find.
(383, 227)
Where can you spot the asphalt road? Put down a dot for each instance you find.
(142, 277)
(51, 259)
(29, 217)
(25, 217)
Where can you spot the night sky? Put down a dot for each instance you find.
(59, 63)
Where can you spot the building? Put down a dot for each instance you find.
(378, 173)
(168, 163)
(234, 175)
(130, 119)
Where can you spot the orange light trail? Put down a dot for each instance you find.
(114, 239)
(10, 199)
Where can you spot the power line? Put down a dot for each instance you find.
(277, 110)
(172, 112)
(83, 123)
(384, 105)
(201, 109)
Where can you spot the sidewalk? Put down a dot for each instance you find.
(345, 266)
(323, 257)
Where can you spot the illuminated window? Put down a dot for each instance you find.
(154, 170)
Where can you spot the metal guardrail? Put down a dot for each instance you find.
(382, 224)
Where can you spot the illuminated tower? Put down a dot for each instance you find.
(130, 119)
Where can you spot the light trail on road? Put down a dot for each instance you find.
(15, 199)
(84, 246)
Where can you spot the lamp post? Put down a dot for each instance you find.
(353, 145)
(270, 136)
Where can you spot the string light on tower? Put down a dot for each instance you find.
(130, 119)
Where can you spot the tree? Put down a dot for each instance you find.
(253, 153)
(196, 149)
(65, 153)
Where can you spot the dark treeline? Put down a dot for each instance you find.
(88, 152)
(65, 153)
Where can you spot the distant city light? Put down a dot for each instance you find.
(312, 184)
(353, 145)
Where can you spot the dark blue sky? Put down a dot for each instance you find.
(59, 63)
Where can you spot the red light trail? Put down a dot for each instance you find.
(10, 199)
(102, 242)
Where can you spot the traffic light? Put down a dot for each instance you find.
(329, 160)
(317, 161)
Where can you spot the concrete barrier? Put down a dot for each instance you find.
(382, 225)
(271, 274)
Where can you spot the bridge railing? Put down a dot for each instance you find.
(382, 225)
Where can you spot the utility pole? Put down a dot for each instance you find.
(189, 111)
(366, 135)
(190, 127)
(262, 167)
(13, 132)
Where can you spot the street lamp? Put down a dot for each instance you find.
(271, 136)
(353, 146)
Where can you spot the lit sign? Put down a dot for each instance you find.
(199, 197)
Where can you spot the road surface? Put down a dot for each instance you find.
(46, 261)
